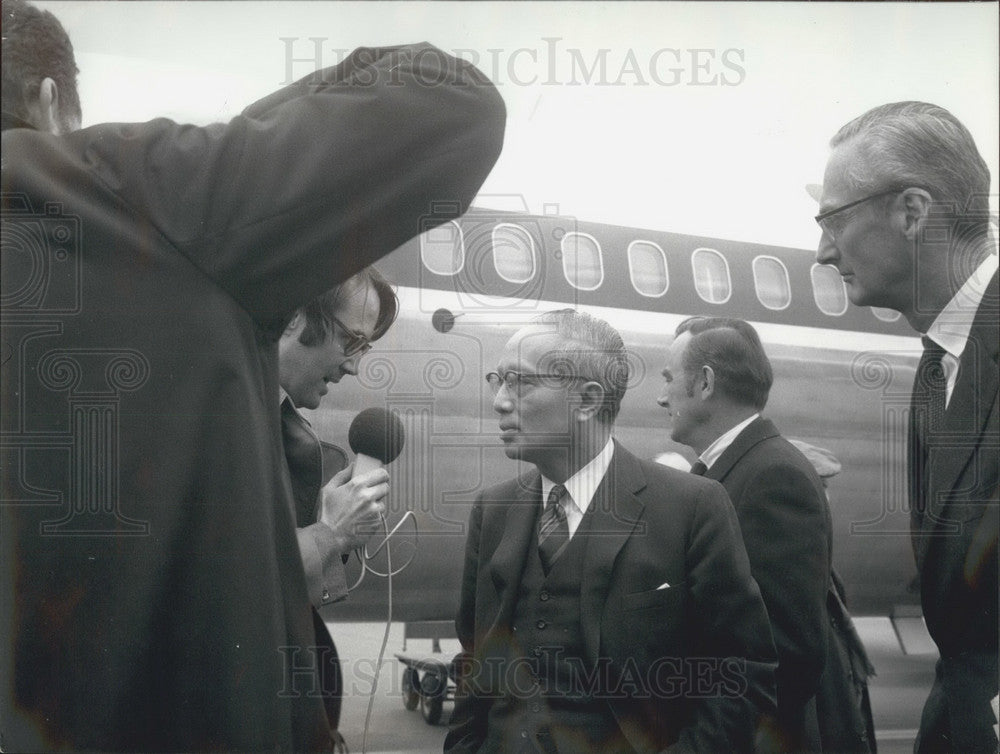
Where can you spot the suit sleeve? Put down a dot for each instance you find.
(468, 721)
(317, 180)
(734, 630)
(326, 579)
(783, 518)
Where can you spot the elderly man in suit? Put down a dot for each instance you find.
(607, 603)
(717, 382)
(904, 215)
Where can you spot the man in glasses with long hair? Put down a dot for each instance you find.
(323, 342)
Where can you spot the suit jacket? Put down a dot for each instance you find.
(955, 542)
(311, 464)
(652, 526)
(151, 589)
(785, 521)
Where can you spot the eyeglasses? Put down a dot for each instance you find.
(354, 343)
(515, 381)
(832, 229)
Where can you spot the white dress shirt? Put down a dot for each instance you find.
(723, 441)
(950, 329)
(580, 487)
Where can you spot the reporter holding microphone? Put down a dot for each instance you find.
(322, 343)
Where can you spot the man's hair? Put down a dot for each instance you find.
(918, 144)
(732, 348)
(320, 311)
(591, 349)
(36, 47)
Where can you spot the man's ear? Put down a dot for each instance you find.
(591, 400)
(294, 325)
(705, 384)
(43, 110)
(916, 205)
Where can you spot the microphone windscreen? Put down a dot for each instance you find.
(377, 433)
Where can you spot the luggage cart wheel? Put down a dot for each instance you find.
(411, 689)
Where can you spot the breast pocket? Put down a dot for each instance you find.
(668, 598)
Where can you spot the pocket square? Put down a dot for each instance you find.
(664, 585)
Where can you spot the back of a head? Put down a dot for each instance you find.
(36, 47)
(593, 350)
(918, 144)
(732, 348)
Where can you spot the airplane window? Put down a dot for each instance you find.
(442, 249)
(711, 276)
(886, 315)
(581, 259)
(770, 278)
(647, 265)
(513, 253)
(829, 290)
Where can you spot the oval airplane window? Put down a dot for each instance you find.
(711, 276)
(581, 260)
(442, 249)
(513, 253)
(829, 290)
(770, 278)
(647, 266)
(886, 315)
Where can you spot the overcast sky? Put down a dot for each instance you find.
(704, 118)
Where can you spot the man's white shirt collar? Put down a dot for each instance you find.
(950, 329)
(723, 441)
(581, 487)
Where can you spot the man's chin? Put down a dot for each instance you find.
(858, 296)
(512, 451)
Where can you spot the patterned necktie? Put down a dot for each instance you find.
(927, 410)
(699, 468)
(935, 383)
(553, 531)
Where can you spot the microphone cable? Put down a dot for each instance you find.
(365, 557)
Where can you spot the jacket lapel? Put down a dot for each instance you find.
(616, 511)
(304, 457)
(757, 431)
(517, 534)
(973, 400)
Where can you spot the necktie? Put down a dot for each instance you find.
(553, 531)
(927, 409)
(931, 373)
(698, 468)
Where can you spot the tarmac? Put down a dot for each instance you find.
(898, 691)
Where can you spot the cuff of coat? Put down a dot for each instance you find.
(326, 579)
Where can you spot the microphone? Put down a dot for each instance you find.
(376, 437)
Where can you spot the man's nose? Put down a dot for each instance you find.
(502, 402)
(827, 251)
